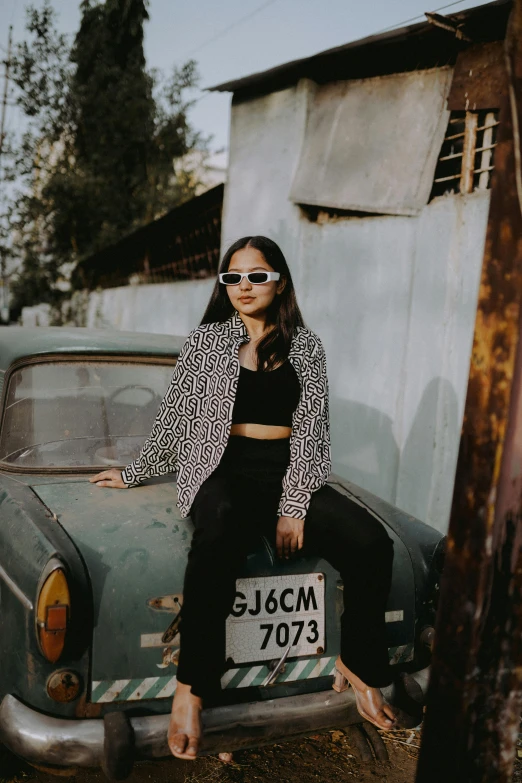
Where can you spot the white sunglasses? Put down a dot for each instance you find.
(256, 278)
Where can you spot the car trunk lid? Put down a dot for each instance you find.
(135, 547)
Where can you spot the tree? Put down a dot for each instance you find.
(97, 159)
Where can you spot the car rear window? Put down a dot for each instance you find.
(80, 413)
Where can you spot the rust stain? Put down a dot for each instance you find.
(477, 657)
(172, 631)
(33, 678)
(479, 78)
(169, 656)
(85, 709)
(166, 603)
(63, 686)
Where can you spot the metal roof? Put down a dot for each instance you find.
(18, 342)
(421, 45)
(183, 230)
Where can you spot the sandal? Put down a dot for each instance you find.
(369, 701)
(184, 738)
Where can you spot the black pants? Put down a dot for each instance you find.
(237, 504)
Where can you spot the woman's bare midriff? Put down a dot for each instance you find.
(261, 431)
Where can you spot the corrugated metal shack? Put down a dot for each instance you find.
(371, 165)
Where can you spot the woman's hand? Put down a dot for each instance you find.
(109, 478)
(289, 536)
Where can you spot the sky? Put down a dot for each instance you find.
(233, 38)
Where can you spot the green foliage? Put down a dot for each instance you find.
(103, 134)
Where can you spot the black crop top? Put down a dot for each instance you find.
(267, 397)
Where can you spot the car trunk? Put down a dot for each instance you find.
(135, 547)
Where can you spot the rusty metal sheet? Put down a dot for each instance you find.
(479, 78)
(475, 691)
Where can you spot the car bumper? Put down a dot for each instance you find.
(44, 740)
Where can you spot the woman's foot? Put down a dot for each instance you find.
(185, 729)
(370, 702)
(226, 758)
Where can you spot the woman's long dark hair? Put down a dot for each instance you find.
(283, 314)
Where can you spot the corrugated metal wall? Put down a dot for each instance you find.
(160, 308)
(392, 297)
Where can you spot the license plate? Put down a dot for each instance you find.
(270, 613)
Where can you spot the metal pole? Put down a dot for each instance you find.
(474, 698)
(7, 64)
(3, 280)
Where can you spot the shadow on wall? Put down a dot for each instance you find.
(429, 456)
(417, 478)
(364, 448)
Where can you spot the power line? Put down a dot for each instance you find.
(447, 6)
(271, 2)
(260, 8)
(202, 97)
(225, 30)
(2, 140)
(420, 16)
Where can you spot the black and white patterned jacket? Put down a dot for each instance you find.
(192, 425)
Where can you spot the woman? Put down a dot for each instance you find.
(245, 423)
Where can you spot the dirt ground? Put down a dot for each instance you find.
(334, 757)
(330, 757)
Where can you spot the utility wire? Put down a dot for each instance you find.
(260, 8)
(420, 16)
(270, 2)
(225, 30)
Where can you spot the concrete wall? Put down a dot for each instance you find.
(162, 308)
(393, 299)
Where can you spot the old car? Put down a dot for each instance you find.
(91, 579)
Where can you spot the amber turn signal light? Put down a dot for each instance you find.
(52, 616)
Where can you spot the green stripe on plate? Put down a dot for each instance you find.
(238, 676)
(287, 672)
(150, 687)
(128, 690)
(153, 691)
(260, 677)
(100, 689)
(309, 668)
(330, 666)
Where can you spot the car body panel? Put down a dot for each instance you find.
(425, 545)
(124, 551)
(29, 539)
(18, 343)
(135, 544)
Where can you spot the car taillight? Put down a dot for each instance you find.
(52, 614)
